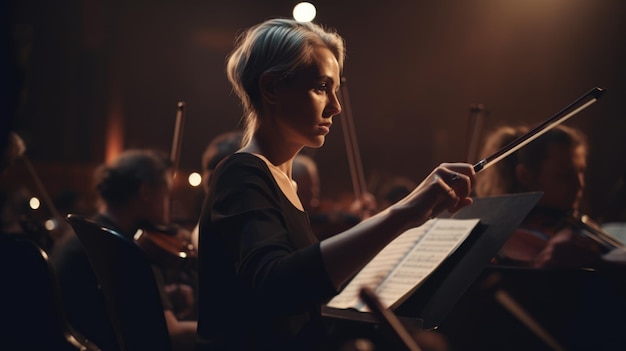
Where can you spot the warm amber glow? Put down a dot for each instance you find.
(115, 123)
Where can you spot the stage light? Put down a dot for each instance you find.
(194, 179)
(50, 224)
(34, 203)
(304, 12)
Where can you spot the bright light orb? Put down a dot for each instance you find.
(194, 179)
(304, 12)
(50, 224)
(34, 203)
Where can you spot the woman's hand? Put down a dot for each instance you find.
(447, 187)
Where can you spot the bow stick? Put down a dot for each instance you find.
(589, 98)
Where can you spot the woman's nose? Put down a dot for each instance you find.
(334, 106)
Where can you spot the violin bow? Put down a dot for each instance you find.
(566, 113)
(178, 137)
(352, 146)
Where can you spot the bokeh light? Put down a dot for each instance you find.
(194, 179)
(304, 12)
(50, 224)
(34, 203)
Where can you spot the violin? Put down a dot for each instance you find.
(552, 221)
(168, 247)
(589, 228)
(571, 240)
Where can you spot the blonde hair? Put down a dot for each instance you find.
(278, 46)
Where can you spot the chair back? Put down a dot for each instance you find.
(31, 312)
(130, 289)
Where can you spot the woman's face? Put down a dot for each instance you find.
(306, 102)
(562, 177)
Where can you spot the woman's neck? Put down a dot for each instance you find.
(277, 154)
(280, 165)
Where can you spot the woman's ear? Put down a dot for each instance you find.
(268, 83)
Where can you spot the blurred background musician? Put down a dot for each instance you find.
(134, 191)
(555, 163)
(570, 284)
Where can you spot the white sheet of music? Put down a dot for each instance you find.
(406, 262)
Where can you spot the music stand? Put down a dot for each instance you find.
(432, 301)
(499, 217)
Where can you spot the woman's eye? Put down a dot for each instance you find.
(322, 87)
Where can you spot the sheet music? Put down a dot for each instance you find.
(406, 262)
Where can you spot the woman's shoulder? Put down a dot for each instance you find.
(240, 158)
(242, 166)
(241, 162)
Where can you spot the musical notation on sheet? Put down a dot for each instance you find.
(405, 262)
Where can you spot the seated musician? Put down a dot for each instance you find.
(134, 191)
(554, 163)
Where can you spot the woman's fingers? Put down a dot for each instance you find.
(459, 176)
(454, 181)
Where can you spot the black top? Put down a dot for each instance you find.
(262, 278)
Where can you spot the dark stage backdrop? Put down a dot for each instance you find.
(104, 75)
